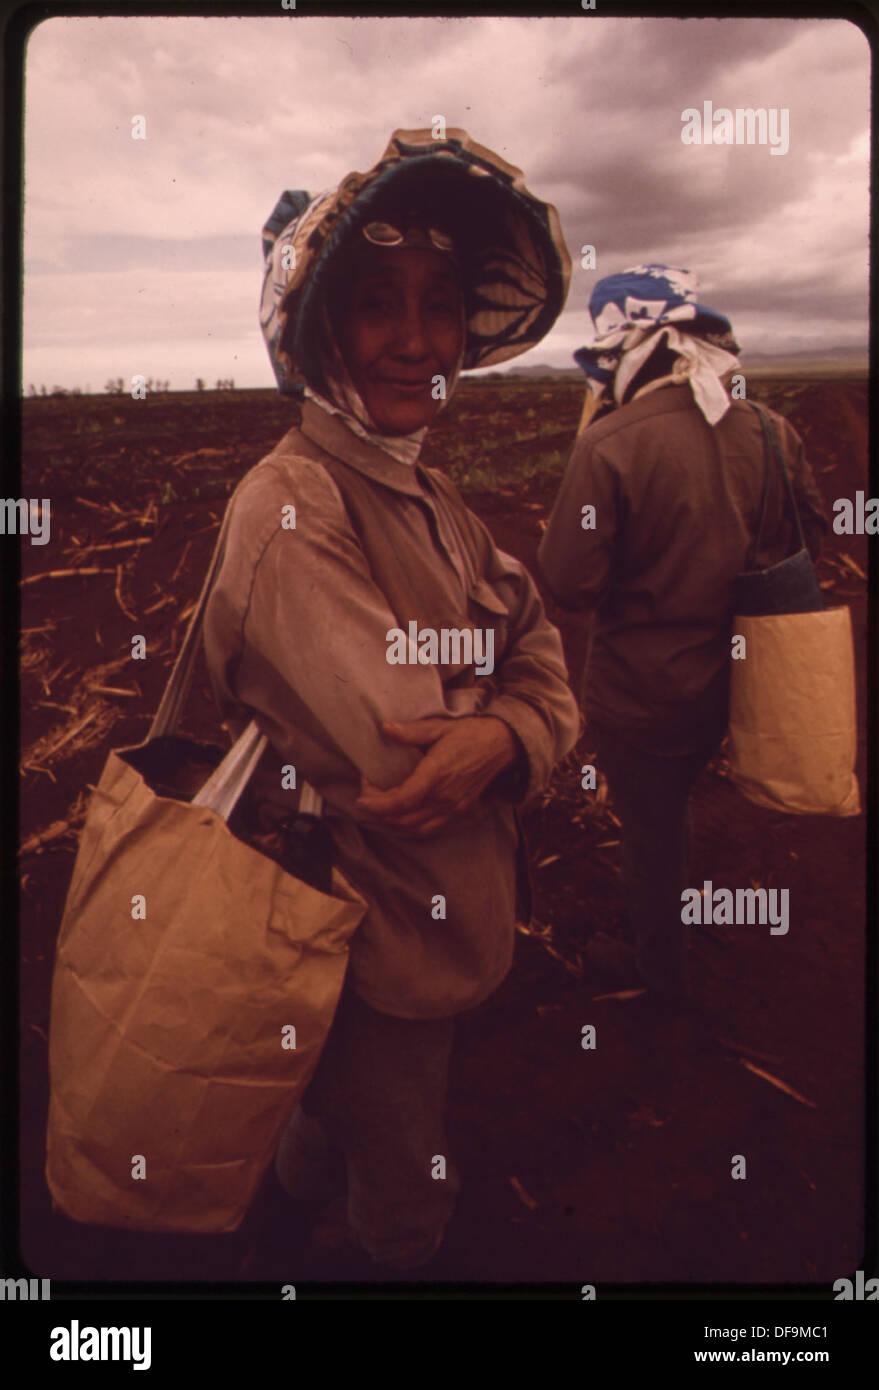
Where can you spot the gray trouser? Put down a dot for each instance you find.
(374, 1109)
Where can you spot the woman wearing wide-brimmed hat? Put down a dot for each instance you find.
(376, 296)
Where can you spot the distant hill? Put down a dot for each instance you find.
(542, 369)
(833, 361)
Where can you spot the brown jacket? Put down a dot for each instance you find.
(296, 632)
(677, 503)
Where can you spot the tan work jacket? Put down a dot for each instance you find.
(676, 507)
(297, 636)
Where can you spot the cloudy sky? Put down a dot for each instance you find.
(145, 256)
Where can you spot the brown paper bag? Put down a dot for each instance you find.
(792, 723)
(167, 1043)
(194, 986)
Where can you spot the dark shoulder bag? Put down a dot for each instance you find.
(791, 586)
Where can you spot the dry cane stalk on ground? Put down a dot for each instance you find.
(65, 574)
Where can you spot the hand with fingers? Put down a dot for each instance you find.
(463, 757)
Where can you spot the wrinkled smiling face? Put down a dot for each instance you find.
(401, 326)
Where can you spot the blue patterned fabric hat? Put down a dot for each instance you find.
(635, 312)
(624, 307)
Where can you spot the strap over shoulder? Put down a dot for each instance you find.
(223, 788)
(772, 450)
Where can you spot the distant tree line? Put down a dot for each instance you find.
(118, 387)
(55, 391)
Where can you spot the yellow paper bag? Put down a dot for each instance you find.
(792, 724)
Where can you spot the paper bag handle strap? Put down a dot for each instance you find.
(167, 716)
(223, 788)
(771, 450)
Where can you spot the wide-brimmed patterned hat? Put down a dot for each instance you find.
(514, 263)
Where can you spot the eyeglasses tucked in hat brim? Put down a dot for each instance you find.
(384, 234)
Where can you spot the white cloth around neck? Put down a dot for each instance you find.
(699, 362)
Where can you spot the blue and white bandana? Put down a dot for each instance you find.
(632, 313)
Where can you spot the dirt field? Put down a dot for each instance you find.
(602, 1166)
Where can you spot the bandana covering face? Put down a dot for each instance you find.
(513, 261)
(633, 313)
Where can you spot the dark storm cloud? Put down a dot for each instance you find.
(588, 107)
